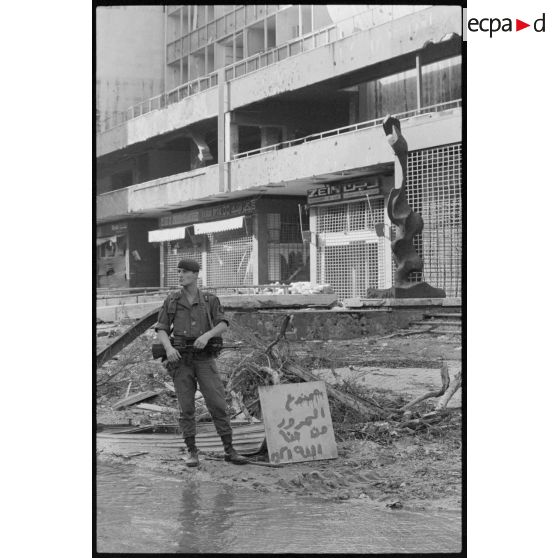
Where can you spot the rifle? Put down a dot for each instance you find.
(185, 345)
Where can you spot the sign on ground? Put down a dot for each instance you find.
(297, 422)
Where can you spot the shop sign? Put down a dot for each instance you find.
(323, 194)
(111, 229)
(341, 192)
(212, 213)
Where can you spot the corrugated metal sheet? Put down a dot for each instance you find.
(247, 439)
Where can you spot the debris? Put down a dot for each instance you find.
(250, 462)
(127, 337)
(156, 408)
(248, 439)
(127, 401)
(129, 455)
(445, 383)
(453, 387)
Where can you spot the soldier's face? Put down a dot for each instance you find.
(186, 278)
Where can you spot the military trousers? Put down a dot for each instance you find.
(187, 375)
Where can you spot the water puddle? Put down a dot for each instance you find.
(139, 511)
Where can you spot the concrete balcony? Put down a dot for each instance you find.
(113, 205)
(178, 115)
(172, 192)
(354, 150)
(394, 39)
(295, 167)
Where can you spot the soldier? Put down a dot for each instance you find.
(191, 313)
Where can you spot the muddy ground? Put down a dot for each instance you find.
(390, 467)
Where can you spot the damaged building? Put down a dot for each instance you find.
(250, 139)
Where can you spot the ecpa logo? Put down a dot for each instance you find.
(495, 24)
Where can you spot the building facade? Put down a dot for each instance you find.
(264, 157)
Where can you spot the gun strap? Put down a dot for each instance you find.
(206, 298)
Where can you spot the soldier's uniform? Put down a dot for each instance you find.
(198, 369)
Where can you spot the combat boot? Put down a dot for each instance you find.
(191, 454)
(230, 453)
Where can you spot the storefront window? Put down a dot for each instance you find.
(288, 258)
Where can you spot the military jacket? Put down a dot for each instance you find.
(181, 318)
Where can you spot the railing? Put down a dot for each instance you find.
(123, 294)
(104, 293)
(260, 60)
(244, 289)
(351, 128)
(341, 29)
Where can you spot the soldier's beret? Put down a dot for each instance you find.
(189, 265)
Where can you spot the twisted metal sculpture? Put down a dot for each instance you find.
(408, 223)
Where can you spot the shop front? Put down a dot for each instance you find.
(112, 255)
(125, 259)
(246, 242)
(350, 234)
(350, 228)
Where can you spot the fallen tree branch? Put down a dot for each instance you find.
(445, 383)
(453, 387)
(362, 407)
(127, 337)
(286, 321)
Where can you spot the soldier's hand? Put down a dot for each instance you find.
(201, 341)
(173, 355)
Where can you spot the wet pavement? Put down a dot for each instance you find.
(142, 511)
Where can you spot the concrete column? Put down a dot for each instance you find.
(419, 81)
(259, 249)
(313, 247)
(203, 271)
(265, 35)
(166, 68)
(181, 34)
(161, 264)
(231, 138)
(223, 106)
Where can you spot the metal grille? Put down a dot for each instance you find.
(173, 253)
(351, 256)
(288, 258)
(229, 259)
(350, 269)
(434, 190)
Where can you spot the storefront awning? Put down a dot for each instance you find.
(162, 235)
(219, 226)
(104, 239)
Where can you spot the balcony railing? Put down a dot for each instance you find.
(343, 28)
(351, 128)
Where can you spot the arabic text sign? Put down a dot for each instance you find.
(297, 422)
